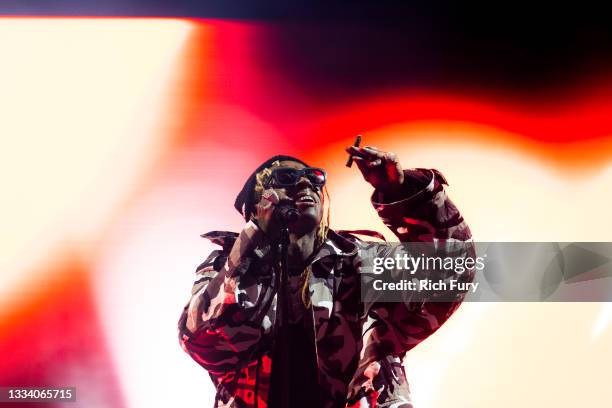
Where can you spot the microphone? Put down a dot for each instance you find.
(286, 212)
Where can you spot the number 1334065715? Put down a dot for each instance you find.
(37, 394)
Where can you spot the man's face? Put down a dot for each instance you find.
(306, 197)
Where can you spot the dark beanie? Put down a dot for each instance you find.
(245, 200)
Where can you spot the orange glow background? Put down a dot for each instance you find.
(122, 140)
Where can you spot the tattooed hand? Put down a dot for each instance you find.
(265, 212)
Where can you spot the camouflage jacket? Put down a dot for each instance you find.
(227, 327)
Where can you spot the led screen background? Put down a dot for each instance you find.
(124, 139)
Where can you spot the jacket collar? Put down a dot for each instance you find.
(335, 244)
(224, 239)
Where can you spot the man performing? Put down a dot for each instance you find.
(333, 350)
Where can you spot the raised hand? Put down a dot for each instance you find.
(265, 210)
(381, 169)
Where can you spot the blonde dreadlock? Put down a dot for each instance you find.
(260, 180)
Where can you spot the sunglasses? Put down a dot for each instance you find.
(289, 177)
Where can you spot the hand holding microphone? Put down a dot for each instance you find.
(286, 212)
(272, 212)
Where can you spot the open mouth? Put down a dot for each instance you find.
(305, 199)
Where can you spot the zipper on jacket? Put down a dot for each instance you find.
(314, 332)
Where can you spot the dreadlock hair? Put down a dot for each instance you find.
(261, 179)
(324, 224)
(245, 200)
(251, 193)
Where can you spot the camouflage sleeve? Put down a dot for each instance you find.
(426, 214)
(219, 327)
